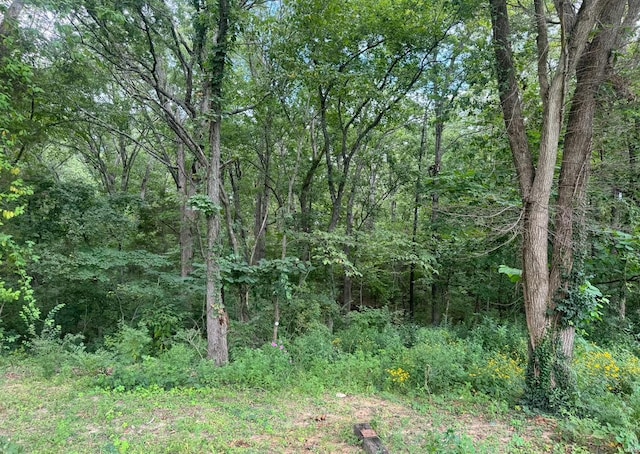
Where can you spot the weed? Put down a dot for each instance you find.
(9, 447)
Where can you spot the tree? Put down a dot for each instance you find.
(174, 66)
(570, 67)
(213, 61)
(8, 25)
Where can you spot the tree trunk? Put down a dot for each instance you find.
(262, 200)
(8, 24)
(435, 307)
(434, 171)
(416, 214)
(590, 73)
(550, 342)
(186, 190)
(347, 284)
(634, 173)
(144, 185)
(306, 196)
(217, 318)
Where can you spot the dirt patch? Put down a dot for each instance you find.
(330, 423)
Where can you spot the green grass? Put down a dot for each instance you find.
(64, 414)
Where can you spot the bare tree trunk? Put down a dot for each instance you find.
(416, 213)
(435, 307)
(186, 190)
(305, 190)
(234, 175)
(144, 185)
(262, 200)
(217, 319)
(347, 285)
(634, 173)
(434, 172)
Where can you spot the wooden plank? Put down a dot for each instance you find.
(370, 440)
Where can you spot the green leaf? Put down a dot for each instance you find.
(514, 274)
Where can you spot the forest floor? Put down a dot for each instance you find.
(67, 415)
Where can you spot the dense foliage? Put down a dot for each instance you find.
(368, 214)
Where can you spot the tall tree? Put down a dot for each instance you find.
(212, 44)
(172, 61)
(588, 34)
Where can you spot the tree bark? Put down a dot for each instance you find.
(347, 284)
(217, 318)
(539, 284)
(574, 173)
(9, 24)
(306, 196)
(416, 213)
(186, 190)
(510, 96)
(216, 314)
(262, 200)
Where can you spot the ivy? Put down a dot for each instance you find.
(583, 303)
(550, 385)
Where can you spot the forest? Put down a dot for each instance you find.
(418, 198)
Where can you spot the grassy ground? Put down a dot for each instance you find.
(66, 415)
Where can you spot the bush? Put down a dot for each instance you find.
(369, 331)
(131, 344)
(54, 354)
(100, 362)
(439, 361)
(510, 339)
(352, 373)
(608, 396)
(498, 375)
(173, 368)
(269, 367)
(313, 347)
(606, 371)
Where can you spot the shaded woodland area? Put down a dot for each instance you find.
(249, 172)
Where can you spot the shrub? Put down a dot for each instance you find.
(369, 331)
(100, 362)
(439, 361)
(173, 368)
(355, 373)
(608, 385)
(192, 338)
(313, 347)
(162, 322)
(269, 367)
(131, 344)
(398, 378)
(606, 371)
(54, 354)
(510, 339)
(498, 375)
(599, 437)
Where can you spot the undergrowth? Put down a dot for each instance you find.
(368, 354)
